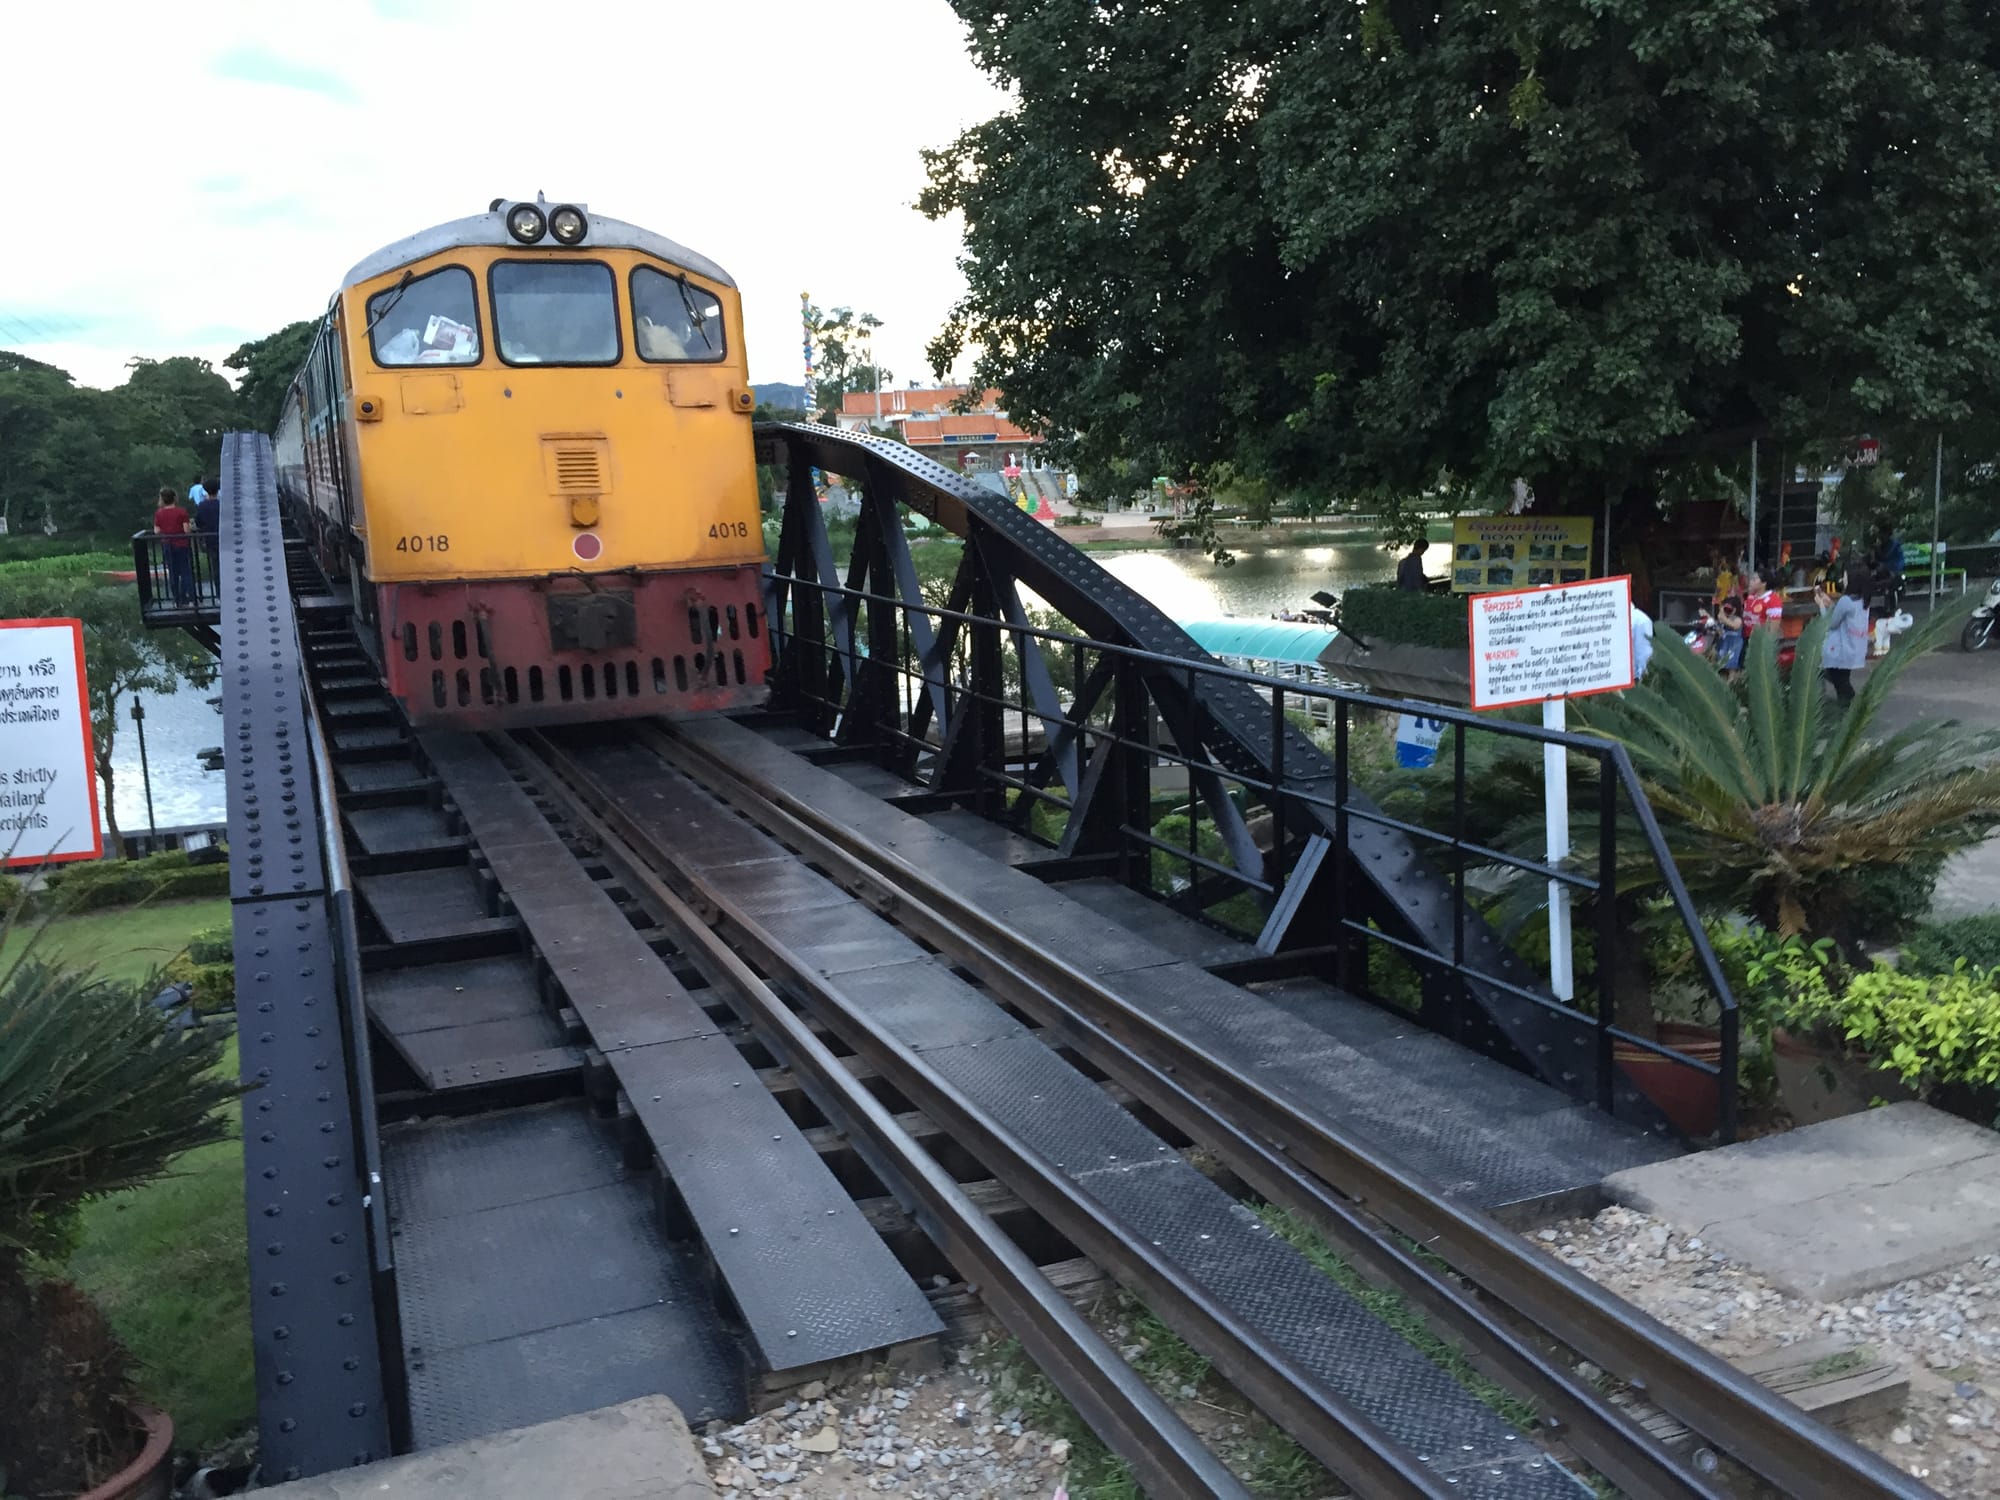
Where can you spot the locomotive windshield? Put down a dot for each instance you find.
(555, 312)
(431, 320)
(673, 319)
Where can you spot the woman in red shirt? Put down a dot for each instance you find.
(171, 521)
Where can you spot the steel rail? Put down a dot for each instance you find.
(1350, 1444)
(1121, 1408)
(1605, 1434)
(1759, 1428)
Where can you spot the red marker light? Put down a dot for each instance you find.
(587, 546)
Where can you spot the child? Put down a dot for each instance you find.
(1761, 606)
(1729, 646)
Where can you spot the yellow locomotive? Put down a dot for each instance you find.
(523, 441)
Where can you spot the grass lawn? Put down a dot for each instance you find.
(166, 1262)
(126, 942)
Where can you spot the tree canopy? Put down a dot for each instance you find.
(87, 460)
(1367, 244)
(268, 365)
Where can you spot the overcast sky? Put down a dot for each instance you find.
(187, 176)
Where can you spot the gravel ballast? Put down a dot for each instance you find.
(1943, 1328)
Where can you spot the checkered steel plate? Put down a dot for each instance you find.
(535, 1282)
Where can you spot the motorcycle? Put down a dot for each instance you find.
(1979, 630)
(1705, 640)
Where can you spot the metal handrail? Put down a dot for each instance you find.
(1615, 770)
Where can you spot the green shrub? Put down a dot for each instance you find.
(1888, 900)
(1939, 947)
(1404, 617)
(212, 945)
(213, 984)
(97, 884)
(72, 565)
(1928, 1029)
(10, 893)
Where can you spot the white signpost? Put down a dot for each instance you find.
(48, 777)
(1546, 646)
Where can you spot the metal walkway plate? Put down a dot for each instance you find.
(812, 1280)
(1144, 1183)
(1482, 1132)
(535, 1281)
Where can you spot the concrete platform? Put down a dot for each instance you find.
(640, 1450)
(1840, 1207)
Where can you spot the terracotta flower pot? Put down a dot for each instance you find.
(1823, 1083)
(1688, 1098)
(150, 1476)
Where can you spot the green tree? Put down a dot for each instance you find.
(32, 397)
(841, 338)
(120, 657)
(1580, 241)
(268, 365)
(181, 400)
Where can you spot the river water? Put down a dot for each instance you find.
(1262, 580)
(178, 725)
(1184, 584)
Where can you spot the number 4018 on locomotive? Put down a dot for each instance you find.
(522, 440)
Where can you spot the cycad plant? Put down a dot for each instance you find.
(1775, 801)
(97, 1093)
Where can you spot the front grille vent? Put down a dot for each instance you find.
(576, 464)
(577, 471)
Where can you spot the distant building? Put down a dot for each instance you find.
(924, 419)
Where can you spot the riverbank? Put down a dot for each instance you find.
(1137, 531)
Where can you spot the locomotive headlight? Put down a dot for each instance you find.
(567, 224)
(526, 224)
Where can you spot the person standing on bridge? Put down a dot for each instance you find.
(197, 492)
(208, 527)
(170, 522)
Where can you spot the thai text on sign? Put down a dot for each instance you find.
(48, 779)
(1565, 642)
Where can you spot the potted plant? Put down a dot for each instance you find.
(97, 1093)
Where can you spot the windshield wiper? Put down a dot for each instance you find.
(693, 312)
(401, 287)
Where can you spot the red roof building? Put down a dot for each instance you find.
(925, 420)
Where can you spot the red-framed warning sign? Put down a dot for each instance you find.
(48, 768)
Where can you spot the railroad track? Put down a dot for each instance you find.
(1522, 1319)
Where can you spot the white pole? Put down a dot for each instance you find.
(1937, 513)
(1555, 796)
(1750, 552)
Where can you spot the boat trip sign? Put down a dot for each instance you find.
(1531, 645)
(48, 778)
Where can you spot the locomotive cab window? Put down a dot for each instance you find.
(673, 319)
(555, 312)
(430, 320)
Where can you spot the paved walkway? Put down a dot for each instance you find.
(1834, 1209)
(1953, 684)
(640, 1450)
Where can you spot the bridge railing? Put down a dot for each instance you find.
(179, 577)
(1099, 751)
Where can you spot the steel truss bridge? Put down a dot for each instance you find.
(1016, 951)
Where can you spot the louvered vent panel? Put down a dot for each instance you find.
(576, 464)
(577, 469)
